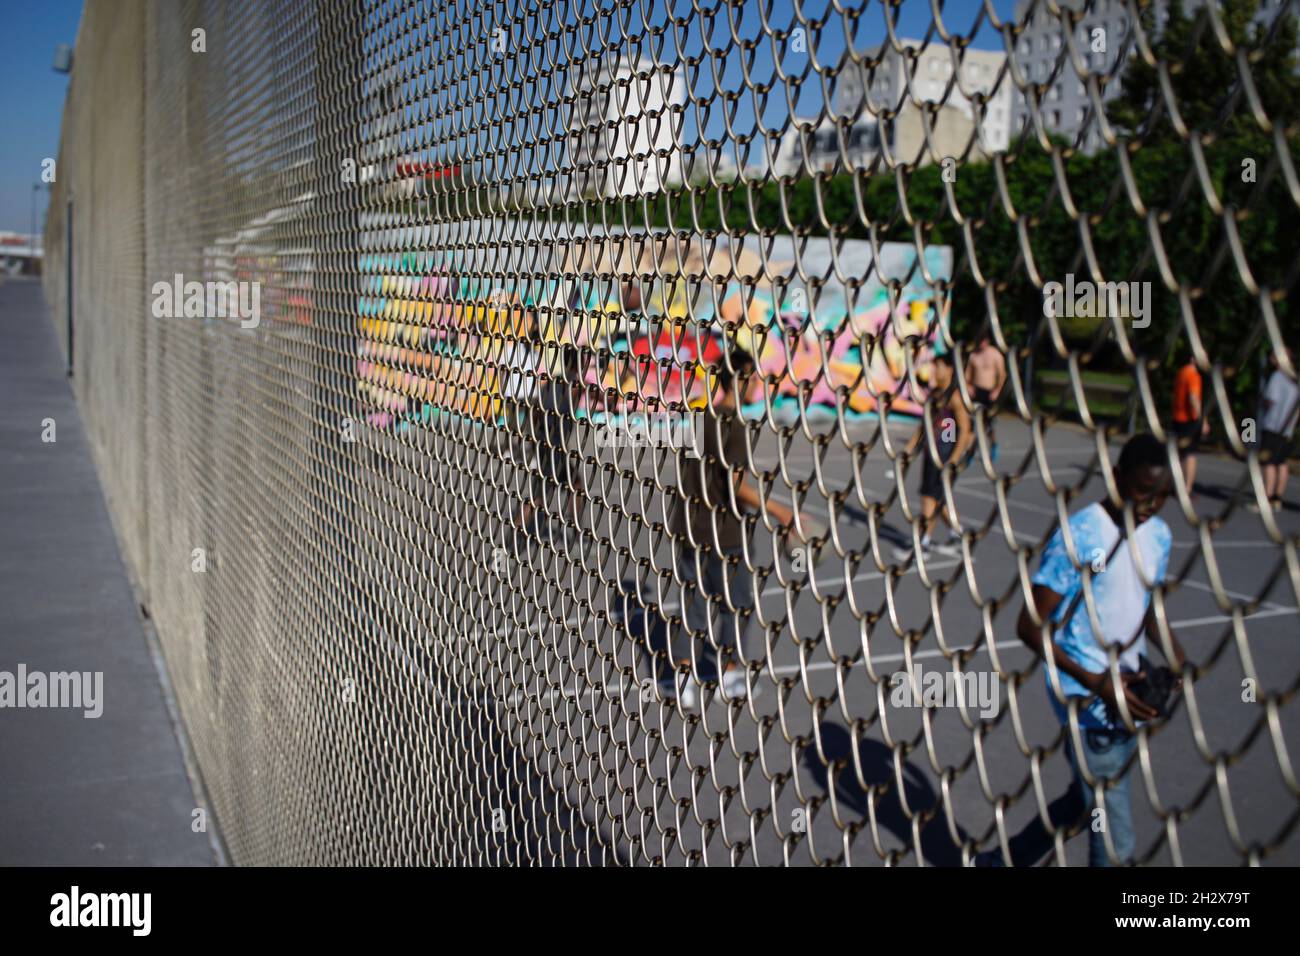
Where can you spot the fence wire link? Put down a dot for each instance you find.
(402, 488)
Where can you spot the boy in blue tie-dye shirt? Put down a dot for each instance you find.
(1124, 570)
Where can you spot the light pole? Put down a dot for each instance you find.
(36, 188)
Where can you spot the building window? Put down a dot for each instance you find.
(863, 137)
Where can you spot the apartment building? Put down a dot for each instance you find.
(622, 133)
(1042, 55)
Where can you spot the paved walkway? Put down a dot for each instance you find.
(74, 790)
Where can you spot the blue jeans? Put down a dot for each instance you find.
(1107, 752)
(700, 601)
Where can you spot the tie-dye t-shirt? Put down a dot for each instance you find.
(1121, 594)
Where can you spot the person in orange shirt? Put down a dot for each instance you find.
(1190, 423)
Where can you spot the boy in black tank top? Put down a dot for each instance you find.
(953, 435)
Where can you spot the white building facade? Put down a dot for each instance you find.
(900, 84)
(623, 132)
(932, 73)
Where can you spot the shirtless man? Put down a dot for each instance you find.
(953, 435)
(987, 374)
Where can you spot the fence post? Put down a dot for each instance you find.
(68, 266)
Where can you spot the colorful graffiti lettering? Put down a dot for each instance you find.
(431, 343)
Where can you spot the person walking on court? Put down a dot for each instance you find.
(1278, 412)
(559, 393)
(953, 435)
(1190, 422)
(1122, 603)
(987, 376)
(711, 553)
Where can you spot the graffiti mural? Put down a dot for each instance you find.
(434, 339)
(840, 341)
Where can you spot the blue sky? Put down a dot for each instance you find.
(913, 20)
(31, 105)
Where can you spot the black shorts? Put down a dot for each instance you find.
(553, 442)
(552, 462)
(1189, 437)
(931, 476)
(982, 396)
(1274, 447)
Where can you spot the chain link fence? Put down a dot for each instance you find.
(634, 432)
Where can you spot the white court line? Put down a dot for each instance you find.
(1223, 618)
(1228, 544)
(820, 511)
(933, 564)
(1023, 536)
(1270, 608)
(1010, 645)
(1036, 509)
(788, 669)
(1271, 605)
(1072, 450)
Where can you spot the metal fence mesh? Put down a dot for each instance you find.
(407, 515)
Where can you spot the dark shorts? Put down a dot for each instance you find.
(553, 439)
(982, 396)
(706, 613)
(1274, 447)
(551, 462)
(931, 476)
(1189, 437)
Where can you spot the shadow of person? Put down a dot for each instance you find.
(877, 761)
(887, 532)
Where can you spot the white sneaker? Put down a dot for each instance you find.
(950, 548)
(733, 685)
(688, 695)
(902, 555)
